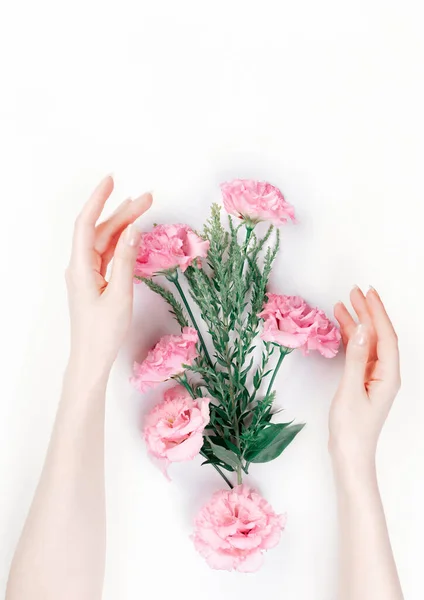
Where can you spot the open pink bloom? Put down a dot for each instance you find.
(256, 201)
(324, 336)
(234, 529)
(166, 359)
(289, 321)
(167, 247)
(174, 428)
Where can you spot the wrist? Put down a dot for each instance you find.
(90, 351)
(352, 473)
(87, 372)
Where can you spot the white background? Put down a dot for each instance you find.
(325, 100)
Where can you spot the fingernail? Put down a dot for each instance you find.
(356, 287)
(360, 336)
(373, 292)
(132, 236)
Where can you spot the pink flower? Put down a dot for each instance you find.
(256, 201)
(167, 247)
(235, 528)
(325, 336)
(174, 428)
(290, 322)
(166, 359)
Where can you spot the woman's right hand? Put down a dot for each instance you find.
(101, 310)
(369, 384)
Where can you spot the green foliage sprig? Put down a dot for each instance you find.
(230, 291)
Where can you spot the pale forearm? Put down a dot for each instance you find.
(367, 566)
(367, 389)
(61, 554)
(62, 549)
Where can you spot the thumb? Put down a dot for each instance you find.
(121, 279)
(357, 354)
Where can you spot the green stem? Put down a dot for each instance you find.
(224, 477)
(174, 279)
(248, 234)
(263, 369)
(185, 383)
(249, 230)
(283, 353)
(233, 403)
(183, 380)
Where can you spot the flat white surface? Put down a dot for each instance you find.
(324, 99)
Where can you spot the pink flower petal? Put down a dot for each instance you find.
(234, 529)
(256, 201)
(168, 247)
(166, 359)
(187, 449)
(174, 428)
(290, 322)
(252, 563)
(221, 561)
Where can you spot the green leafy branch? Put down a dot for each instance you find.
(176, 309)
(229, 292)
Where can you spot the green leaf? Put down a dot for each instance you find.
(256, 379)
(271, 442)
(219, 412)
(225, 455)
(219, 463)
(247, 369)
(177, 310)
(211, 459)
(224, 442)
(221, 361)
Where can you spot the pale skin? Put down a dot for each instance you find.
(61, 553)
(369, 385)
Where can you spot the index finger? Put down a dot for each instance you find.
(84, 231)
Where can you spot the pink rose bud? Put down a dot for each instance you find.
(174, 428)
(166, 359)
(168, 247)
(234, 529)
(290, 322)
(256, 201)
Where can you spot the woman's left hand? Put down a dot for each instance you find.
(100, 310)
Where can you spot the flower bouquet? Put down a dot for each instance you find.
(221, 406)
